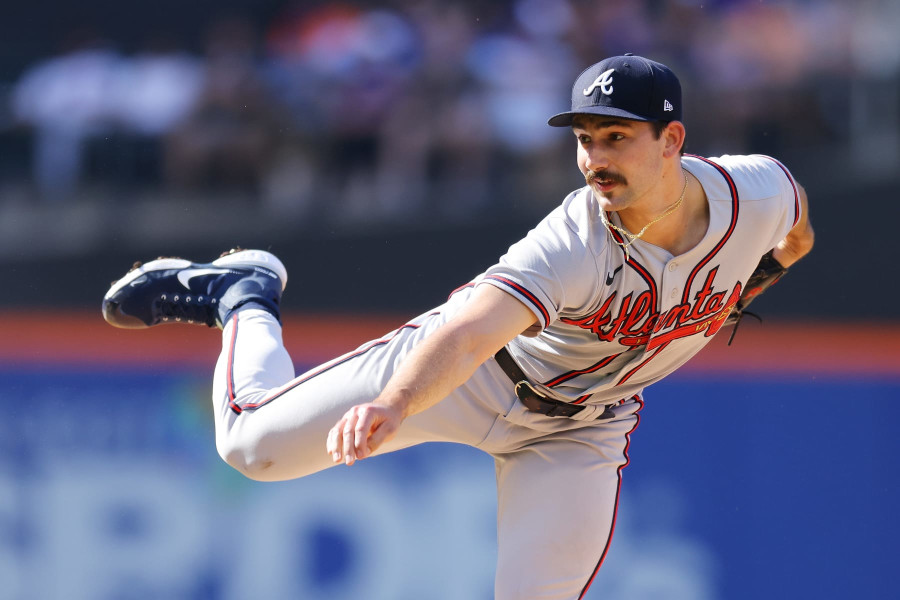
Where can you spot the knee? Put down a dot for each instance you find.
(247, 456)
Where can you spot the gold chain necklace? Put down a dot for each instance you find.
(636, 236)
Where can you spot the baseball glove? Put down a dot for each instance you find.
(766, 274)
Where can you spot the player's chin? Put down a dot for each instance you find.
(609, 198)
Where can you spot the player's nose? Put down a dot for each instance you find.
(596, 161)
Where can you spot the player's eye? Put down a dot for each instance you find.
(616, 137)
(584, 139)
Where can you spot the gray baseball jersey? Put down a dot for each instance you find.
(612, 324)
(608, 327)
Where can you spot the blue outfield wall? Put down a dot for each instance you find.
(740, 488)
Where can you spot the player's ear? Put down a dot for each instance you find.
(673, 136)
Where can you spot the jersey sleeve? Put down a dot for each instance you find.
(552, 268)
(790, 197)
(771, 191)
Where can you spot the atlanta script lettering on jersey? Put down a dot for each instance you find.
(639, 323)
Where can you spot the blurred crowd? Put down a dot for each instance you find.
(408, 110)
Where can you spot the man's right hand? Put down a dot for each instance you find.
(361, 431)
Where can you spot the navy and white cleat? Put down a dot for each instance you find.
(174, 290)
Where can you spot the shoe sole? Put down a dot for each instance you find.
(244, 258)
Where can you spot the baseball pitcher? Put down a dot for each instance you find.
(542, 360)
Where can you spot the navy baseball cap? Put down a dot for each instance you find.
(629, 86)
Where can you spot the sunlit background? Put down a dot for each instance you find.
(388, 152)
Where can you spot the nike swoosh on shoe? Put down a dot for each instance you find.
(186, 275)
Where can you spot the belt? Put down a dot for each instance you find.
(534, 400)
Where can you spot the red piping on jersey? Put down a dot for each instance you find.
(644, 362)
(327, 367)
(734, 217)
(460, 288)
(229, 376)
(793, 185)
(531, 297)
(586, 396)
(612, 526)
(571, 374)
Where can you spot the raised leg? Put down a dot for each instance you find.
(272, 426)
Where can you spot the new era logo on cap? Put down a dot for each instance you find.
(645, 90)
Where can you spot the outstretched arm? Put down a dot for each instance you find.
(438, 365)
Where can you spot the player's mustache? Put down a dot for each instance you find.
(605, 175)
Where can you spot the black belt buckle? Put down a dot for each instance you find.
(536, 402)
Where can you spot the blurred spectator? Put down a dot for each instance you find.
(409, 110)
(440, 138)
(341, 72)
(66, 99)
(228, 138)
(523, 72)
(156, 89)
(94, 103)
